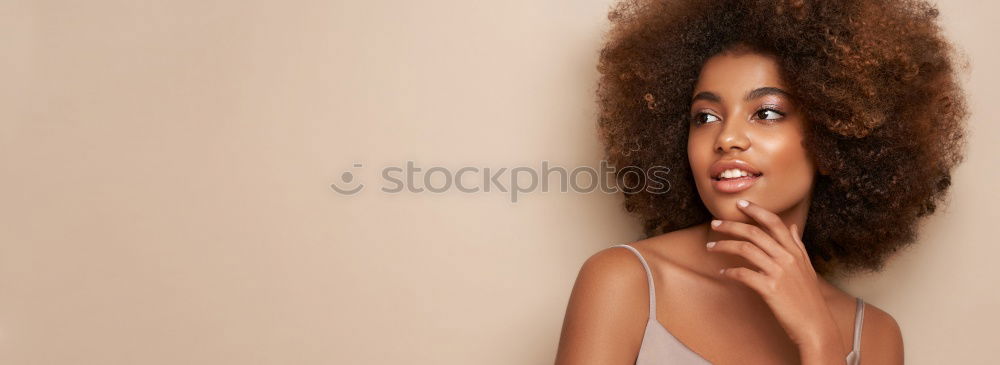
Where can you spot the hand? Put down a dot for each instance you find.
(787, 281)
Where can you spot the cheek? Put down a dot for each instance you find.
(792, 170)
(700, 155)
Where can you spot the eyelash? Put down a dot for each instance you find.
(696, 120)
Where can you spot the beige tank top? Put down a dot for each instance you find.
(659, 346)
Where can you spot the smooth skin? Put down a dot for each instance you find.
(768, 306)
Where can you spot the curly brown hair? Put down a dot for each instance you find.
(876, 80)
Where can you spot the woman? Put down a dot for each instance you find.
(805, 139)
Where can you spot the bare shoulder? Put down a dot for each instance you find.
(613, 272)
(607, 311)
(881, 338)
(614, 259)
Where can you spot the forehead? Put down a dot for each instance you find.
(730, 74)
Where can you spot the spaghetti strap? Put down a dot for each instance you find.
(649, 280)
(854, 357)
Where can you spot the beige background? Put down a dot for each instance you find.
(164, 169)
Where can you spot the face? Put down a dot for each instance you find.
(744, 122)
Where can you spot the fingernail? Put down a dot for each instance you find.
(716, 222)
(722, 271)
(710, 244)
(743, 203)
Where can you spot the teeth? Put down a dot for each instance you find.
(733, 173)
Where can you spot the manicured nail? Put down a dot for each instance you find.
(710, 244)
(716, 222)
(743, 203)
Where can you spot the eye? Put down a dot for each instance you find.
(763, 114)
(702, 118)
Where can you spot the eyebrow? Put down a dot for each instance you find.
(754, 94)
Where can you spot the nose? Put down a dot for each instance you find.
(732, 136)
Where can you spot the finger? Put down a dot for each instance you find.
(771, 222)
(746, 250)
(755, 280)
(753, 234)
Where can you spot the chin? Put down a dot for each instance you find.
(725, 209)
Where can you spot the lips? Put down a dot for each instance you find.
(719, 166)
(736, 184)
